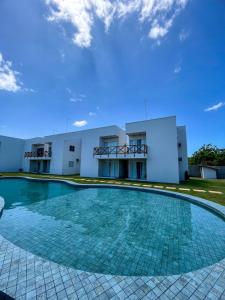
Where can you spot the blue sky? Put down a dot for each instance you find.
(71, 65)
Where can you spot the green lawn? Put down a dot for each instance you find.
(192, 184)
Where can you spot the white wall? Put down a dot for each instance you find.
(11, 153)
(56, 162)
(161, 139)
(182, 151)
(208, 173)
(72, 157)
(85, 141)
(91, 139)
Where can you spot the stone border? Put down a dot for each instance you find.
(24, 275)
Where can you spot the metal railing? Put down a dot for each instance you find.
(41, 154)
(126, 149)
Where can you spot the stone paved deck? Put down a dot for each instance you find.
(27, 276)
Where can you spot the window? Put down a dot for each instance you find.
(139, 142)
(72, 148)
(71, 164)
(131, 142)
(180, 159)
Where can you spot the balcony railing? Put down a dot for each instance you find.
(127, 149)
(42, 154)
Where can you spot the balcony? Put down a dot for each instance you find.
(131, 151)
(38, 155)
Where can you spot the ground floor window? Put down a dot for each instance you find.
(40, 166)
(109, 168)
(123, 168)
(137, 169)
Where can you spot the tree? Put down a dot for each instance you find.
(221, 157)
(208, 155)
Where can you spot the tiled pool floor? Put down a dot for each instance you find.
(26, 276)
(110, 230)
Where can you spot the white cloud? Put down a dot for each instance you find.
(159, 14)
(30, 90)
(183, 35)
(62, 55)
(92, 114)
(76, 99)
(80, 123)
(177, 69)
(158, 31)
(215, 107)
(8, 77)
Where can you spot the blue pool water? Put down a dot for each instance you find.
(111, 231)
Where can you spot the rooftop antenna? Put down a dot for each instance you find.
(146, 108)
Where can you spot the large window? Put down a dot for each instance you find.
(138, 142)
(72, 148)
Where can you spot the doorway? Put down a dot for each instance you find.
(46, 166)
(139, 166)
(38, 166)
(124, 173)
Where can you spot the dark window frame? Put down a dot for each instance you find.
(72, 148)
(70, 164)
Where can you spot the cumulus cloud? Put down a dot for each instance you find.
(215, 107)
(159, 14)
(80, 123)
(158, 31)
(8, 77)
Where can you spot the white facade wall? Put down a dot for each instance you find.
(71, 157)
(85, 140)
(91, 139)
(182, 151)
(11, 153)
(28, 146)
(161, 139)
(208, 173)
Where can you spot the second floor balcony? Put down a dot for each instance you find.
(126, 151)
(38, 155)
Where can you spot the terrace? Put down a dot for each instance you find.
(126, 151)
(38, 155)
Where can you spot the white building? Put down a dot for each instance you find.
(208, 172)
(153, 150)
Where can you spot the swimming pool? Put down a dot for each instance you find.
(110, 230)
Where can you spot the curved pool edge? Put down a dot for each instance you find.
(212, 206)
(2, 204)
(200, 283)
